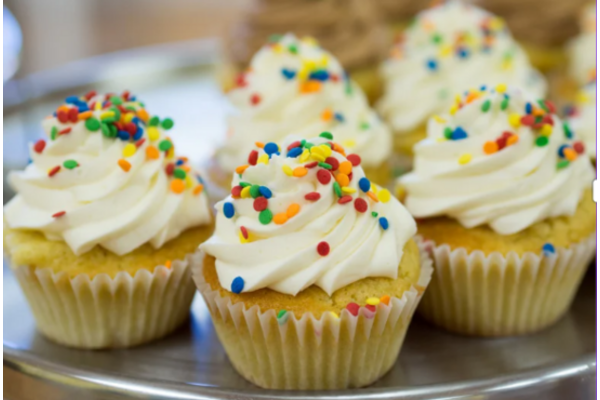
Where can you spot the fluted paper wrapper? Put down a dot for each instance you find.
(106, 312)
(497, 295)
(307, 353)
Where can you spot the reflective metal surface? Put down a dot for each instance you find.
(559, 363)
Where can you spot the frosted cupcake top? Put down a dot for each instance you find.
(295, 87)
(304, 214)
(106, 174)
(582, 49)
(498, 158)
(582, 117)
(448, 49)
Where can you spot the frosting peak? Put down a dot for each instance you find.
(106, 175)
(498, 158)
(304, 214)
(448, 49)
(295, 87)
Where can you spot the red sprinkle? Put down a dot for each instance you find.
(294, 144)
(354, 159)
(170, 168)
(131, 128)
(528, 120)
(501, 143)
(260, 204)
(125, 95)
(311, 164)
(65, 131)
(255, 99)
(345, 199)
(323, 176)
(39, 146)
(73, 115)
(579, 147)
(323, 248)
(236, 191)
(90, 94)
(140, 142)
(253, 157)
(62, 116)
(240, 80)
(548, 119)
(54, 171)
(334, 77)
(551, 106)
(244, 232)
(371, 307)
(59, 214)
(353, 308)
(506, 134)
(360, 205)
(335, 164)
(312, 196)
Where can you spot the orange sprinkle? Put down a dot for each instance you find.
(490, 147)
(198, 189)
(186, 168)
(327, 115)
(168, 264)
(339, 149)
(177, 186)
(345, 167)
(299, 172)
(570, 154)
(293, 209)
(471, 96)
(512, 140)
(63, 108)
(373, 196)
(184, 159)
(280, 218)
(241, 169)
(385, 299)
(538, 112)
(342, 179)
(152, 152)
(124, 164)
(143, 114)
(260, 145)
(85, 115)
(310, 87)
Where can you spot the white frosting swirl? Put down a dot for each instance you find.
(279, 96)
(582, 49)
(448, 49)
(284, 256)
(93, 199)
(583, 121)
(509, 189)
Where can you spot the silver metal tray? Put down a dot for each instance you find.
(558, 363)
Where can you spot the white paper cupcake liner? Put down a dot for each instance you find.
(497, 295)
(309, 353)
(106, 312)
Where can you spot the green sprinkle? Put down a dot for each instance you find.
(337, 189)
(254, 191)
(504, 104)
(92, 124)
(53, 133)
(541, 141)
(70, 164)
(485, 107)
(292, 48)
(165, 145)
(116, 100)
(167, 123)
(302, 142)
(179, 173)
(113, 130)
(117, 113)
(364, 126)
(567, 130)
(448, 133)
(542, 104)
(105, 129)
(131, 108)
(538, 120)
(436, 38)
(562, 164)
(154, 121)
(281, 313)
(374, 214)
(326, 135)
(244, 184)
(324, 165)
(308, 145)
(348, 88)
(265, 217)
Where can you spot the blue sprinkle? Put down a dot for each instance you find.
(320, 75)
(265, 191)
(463, 53)
(384, 223)
(548, 249)
(132, 98)
(561, 150)
(228, 210)
(138, 134)
(364, 184)
(136, 120)
(295, 152)
(528, 108)
(123, 135)
(237, 285)
(271, 148)
(54, 114)
(339, 117)
(483, 88)
(199, 179)
(432, 64)
(179, 162)
(288, 73)
(459, 133)
(72, 100)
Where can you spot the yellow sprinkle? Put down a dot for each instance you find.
(348, 190)
(514, 120)
(107, 114)
(501, 88)
(439, 119)
(127, 117)
(375, 188)
(440, 139)
(373, 301)
(465, 159)
(310, 40)
(263, 159)
(286, 169)
(303, 74)
(153, 133)
(384, 195)
(546, 130)
(453, 110)
(304, 156)
(324, 61)
(349, 143)
(445, 51)
(129, 150)
(198, 189)
(245, 193)
(98, 106)
(277, 48)
(189, 182)
(243, 239)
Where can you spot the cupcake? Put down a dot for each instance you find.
(501, 190)
(353, 31)
(448, 49)
(312, 274)
(294, 86)
(582, 117)
(541, 26)
(102, 231)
